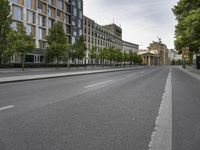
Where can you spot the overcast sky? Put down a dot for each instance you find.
(142, 21)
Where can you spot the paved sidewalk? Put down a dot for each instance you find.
(191, 71)
(9, 72)
(62, 74)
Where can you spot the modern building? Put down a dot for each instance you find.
(130, 47)
(104, 36)
(39, 15)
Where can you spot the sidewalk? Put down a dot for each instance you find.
(10, 72)
(47, 75)
(191, 71)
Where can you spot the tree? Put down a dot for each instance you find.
(118, 56)
(125, 58)
(103, 55)
(58, 47)
(5, 22)
(93, 54)
(80, 48)
(187, 31)
(138, 59)
(111, 54)
(20, 43)
(131, 57)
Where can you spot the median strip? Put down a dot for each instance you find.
(161, 138)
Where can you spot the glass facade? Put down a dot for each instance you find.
(39, 15)
(17, 13)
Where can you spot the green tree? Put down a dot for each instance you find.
(103, 55)
(118, 56)
(138, 59)
(187, 31)
(111, 55)
(125, 58)
(58, 47)
(93, 54)
(80, 49)
(5, 22)
(131, 57)
(20, 43)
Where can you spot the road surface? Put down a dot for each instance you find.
(109, 111)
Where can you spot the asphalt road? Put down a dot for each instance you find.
(109, 111)
(186, 111)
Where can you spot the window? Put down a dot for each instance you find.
(51, 2)
(79, 4)
(73, 39)
(28, 3)
(59, 4)
(59, 14)
(68, 20)
(40, 6)
(75, 11)
(80, 14)
(75, 33)
(80, 32)
(79, 23)
(15, 1)
(50, 23)
(28, 29)
(68, 29)
(68, 8)
(30, 17)
(17, 13)
(49, 12)
(42, 33)
(14, 25)
(42, 20)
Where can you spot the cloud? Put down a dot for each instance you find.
(142, 20)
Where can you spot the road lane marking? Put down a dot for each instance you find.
(6, 107)
(161, 138)
(89, 86)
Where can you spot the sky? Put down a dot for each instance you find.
(142, 21)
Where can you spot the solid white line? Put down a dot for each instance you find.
(97, 84)
(161, 138)
(6, 107)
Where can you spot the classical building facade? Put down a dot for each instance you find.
(149, 57)
(156, 54)
(162, 51)
(39, 15)
(104, 36)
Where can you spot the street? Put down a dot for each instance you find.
(107, 111)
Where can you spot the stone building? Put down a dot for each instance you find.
(106, 36)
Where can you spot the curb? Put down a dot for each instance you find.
(189, 72)
(4, 80)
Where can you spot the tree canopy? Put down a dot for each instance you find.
(187, 32)
(5, 22)
(58, 47)
(20, 43)
(80, 48)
